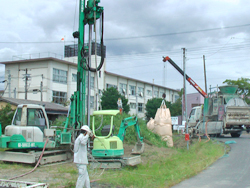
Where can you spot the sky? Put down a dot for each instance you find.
(137, 34)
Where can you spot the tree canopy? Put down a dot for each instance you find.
(243, 87)
(154, 103)
(110, 97)
(6, 115)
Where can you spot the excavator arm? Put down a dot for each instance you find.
(127, 122)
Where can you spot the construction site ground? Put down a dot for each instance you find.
(59, 175)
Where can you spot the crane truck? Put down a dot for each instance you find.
(30, 131)
(223, 112)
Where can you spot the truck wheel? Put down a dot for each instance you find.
(218, 135)
(235, 135)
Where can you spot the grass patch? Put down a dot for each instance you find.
(167, 171)
(14, 166)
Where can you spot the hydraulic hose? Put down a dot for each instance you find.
(89, 68)
(206, 132)
(38, 162)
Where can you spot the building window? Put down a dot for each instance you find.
(74, 77)
(140, 107)
(132, 90)
(110, 85)
(92, 83)
(123, 88)
(149, 93)
(156, 95)
(140, 91)
(100, 92)
(92, 101)
(176, 97)
(161, 93)
(59, 76)
(132, 105)
(59, 97)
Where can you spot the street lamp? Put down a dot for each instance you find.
(39, 90)
(35, 91)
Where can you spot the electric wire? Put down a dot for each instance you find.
(178, 33)
(155, 35)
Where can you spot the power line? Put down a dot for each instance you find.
(136, 37)
(178, 33)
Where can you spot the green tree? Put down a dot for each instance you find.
(6, 115)
(152, 106)
(243, 87)
(110, 97)
(176, 109)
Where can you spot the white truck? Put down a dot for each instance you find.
(223, 113)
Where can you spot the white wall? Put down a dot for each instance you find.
(18, 71)
(38, 68)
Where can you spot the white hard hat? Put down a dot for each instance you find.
(86, 128)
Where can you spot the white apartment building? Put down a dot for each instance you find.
(54, 80)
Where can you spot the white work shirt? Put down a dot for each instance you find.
(80, 149)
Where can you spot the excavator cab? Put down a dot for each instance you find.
(106, 145)
(109, 146)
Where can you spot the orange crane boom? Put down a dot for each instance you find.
(203, 93)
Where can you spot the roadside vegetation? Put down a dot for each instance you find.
(6, 115)
(161, 166)
(169, 170)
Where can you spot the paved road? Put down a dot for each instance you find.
(228, 172)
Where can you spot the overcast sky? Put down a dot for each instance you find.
(137, 33)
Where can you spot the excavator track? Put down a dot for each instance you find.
(32, 157)
(111, 163)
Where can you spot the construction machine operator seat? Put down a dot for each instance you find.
(105, 130)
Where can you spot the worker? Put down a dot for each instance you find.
(80, 157)
(119, 103)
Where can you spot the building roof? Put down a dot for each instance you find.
(113, 74)
(39, 59)
(51, 108)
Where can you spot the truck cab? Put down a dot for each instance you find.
(194, 116)
(30, 121)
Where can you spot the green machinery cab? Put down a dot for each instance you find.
(106, 146)
(109, 146)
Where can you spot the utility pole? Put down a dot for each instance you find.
(164, 63)
(184, 97)
(26, 79)
(184, 86)
(205, 74)
(26, 83)
(9, 83)
(41, 88)
(15, 93)
(136, 103)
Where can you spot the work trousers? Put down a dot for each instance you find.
(83, 176)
